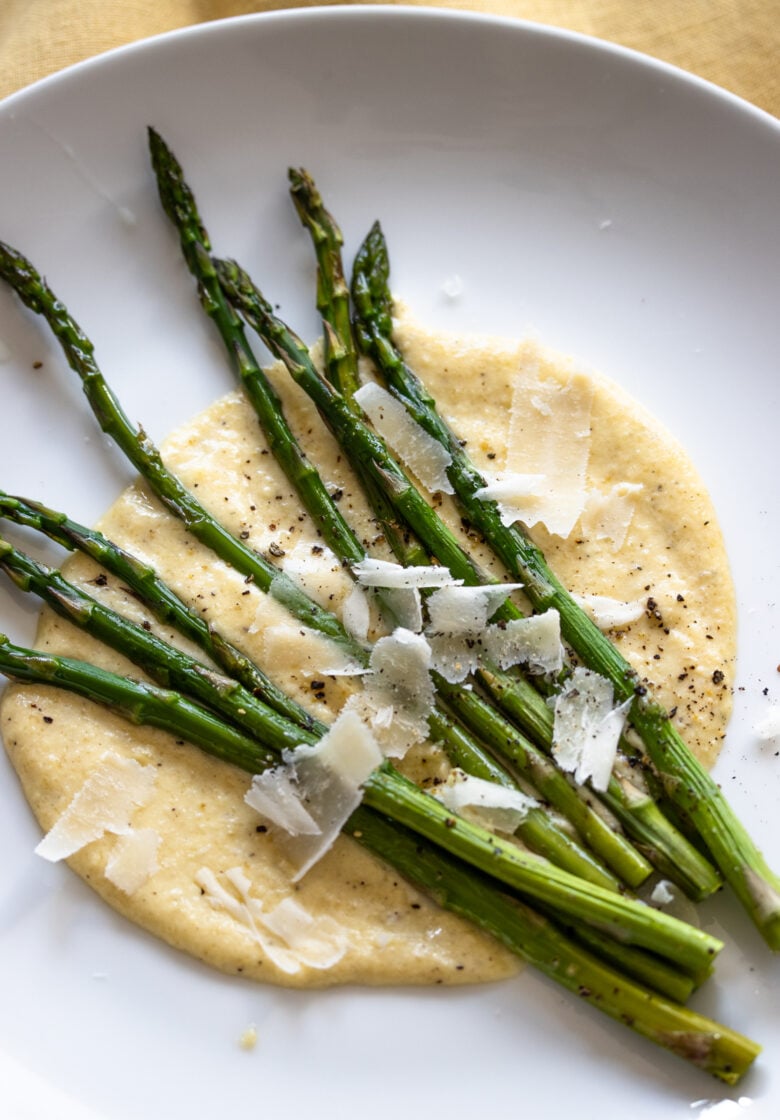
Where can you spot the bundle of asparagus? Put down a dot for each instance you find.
(570, 913)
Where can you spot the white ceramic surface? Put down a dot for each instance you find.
(628, 213)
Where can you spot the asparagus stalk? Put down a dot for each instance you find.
(171, 668)
(162, 601)
(179, 204)
(139, 702)
(180, 207)
(707, 1045)
(720, 1051)
(387, 791)
(627, 796)
(341, 359)
(21, 275)
(685, 780)
(646, 968)
(372, 460)
(139, 449)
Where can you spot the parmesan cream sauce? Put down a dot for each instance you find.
(673, 554)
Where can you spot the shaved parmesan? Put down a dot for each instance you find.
(607, 515)
(424, 455)
(399, 675)
(466, 610)
(310, 797)
(453, 286)
(495, 807)
(668, 896)
(316, 573)
(405, 605)
(133, 859)
(398, 694)
(105, 803)
(587, 727)
(287, 933)
(534, 641)
(662, 893)
(518, 496)
(290, 922)
(384, 573)
(610, 614)
(454, 656)
(400, 587)
(458, 619)
(291, 648)
(383, 717)
(356, 614)
(549, 436)
(276, 796)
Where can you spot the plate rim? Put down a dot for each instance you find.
(347, 12)
(75, 71)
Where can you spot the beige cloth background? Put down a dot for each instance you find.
(734, 43)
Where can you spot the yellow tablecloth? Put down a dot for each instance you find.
(734, 43)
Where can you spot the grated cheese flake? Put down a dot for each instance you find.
(423, 454)
(549, 436)
(401, 587)
(400, 675)
(312, 794)
(398, 694)
(608, 613)
(294, 648)
(607, 515)
(275, 795)
(405, 606)
(534, 641)
(458, 625)
(495, 807)
(587, 727)
(669, 897)
(287, 933)
(768, 727)
(386, 573)
(466, 610)
(453, 286)
(356, 614)
(662, 894)
(133, 859)
(519, 497)
(454, 656)
(105, 803)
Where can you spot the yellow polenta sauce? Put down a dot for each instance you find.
(672, 560)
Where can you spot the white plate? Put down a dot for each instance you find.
(626, 211)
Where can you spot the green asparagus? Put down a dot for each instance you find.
(171, 668)
(627, 795)
(686, 781)
(593, 914)
(722, 1052)
(179, 204)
